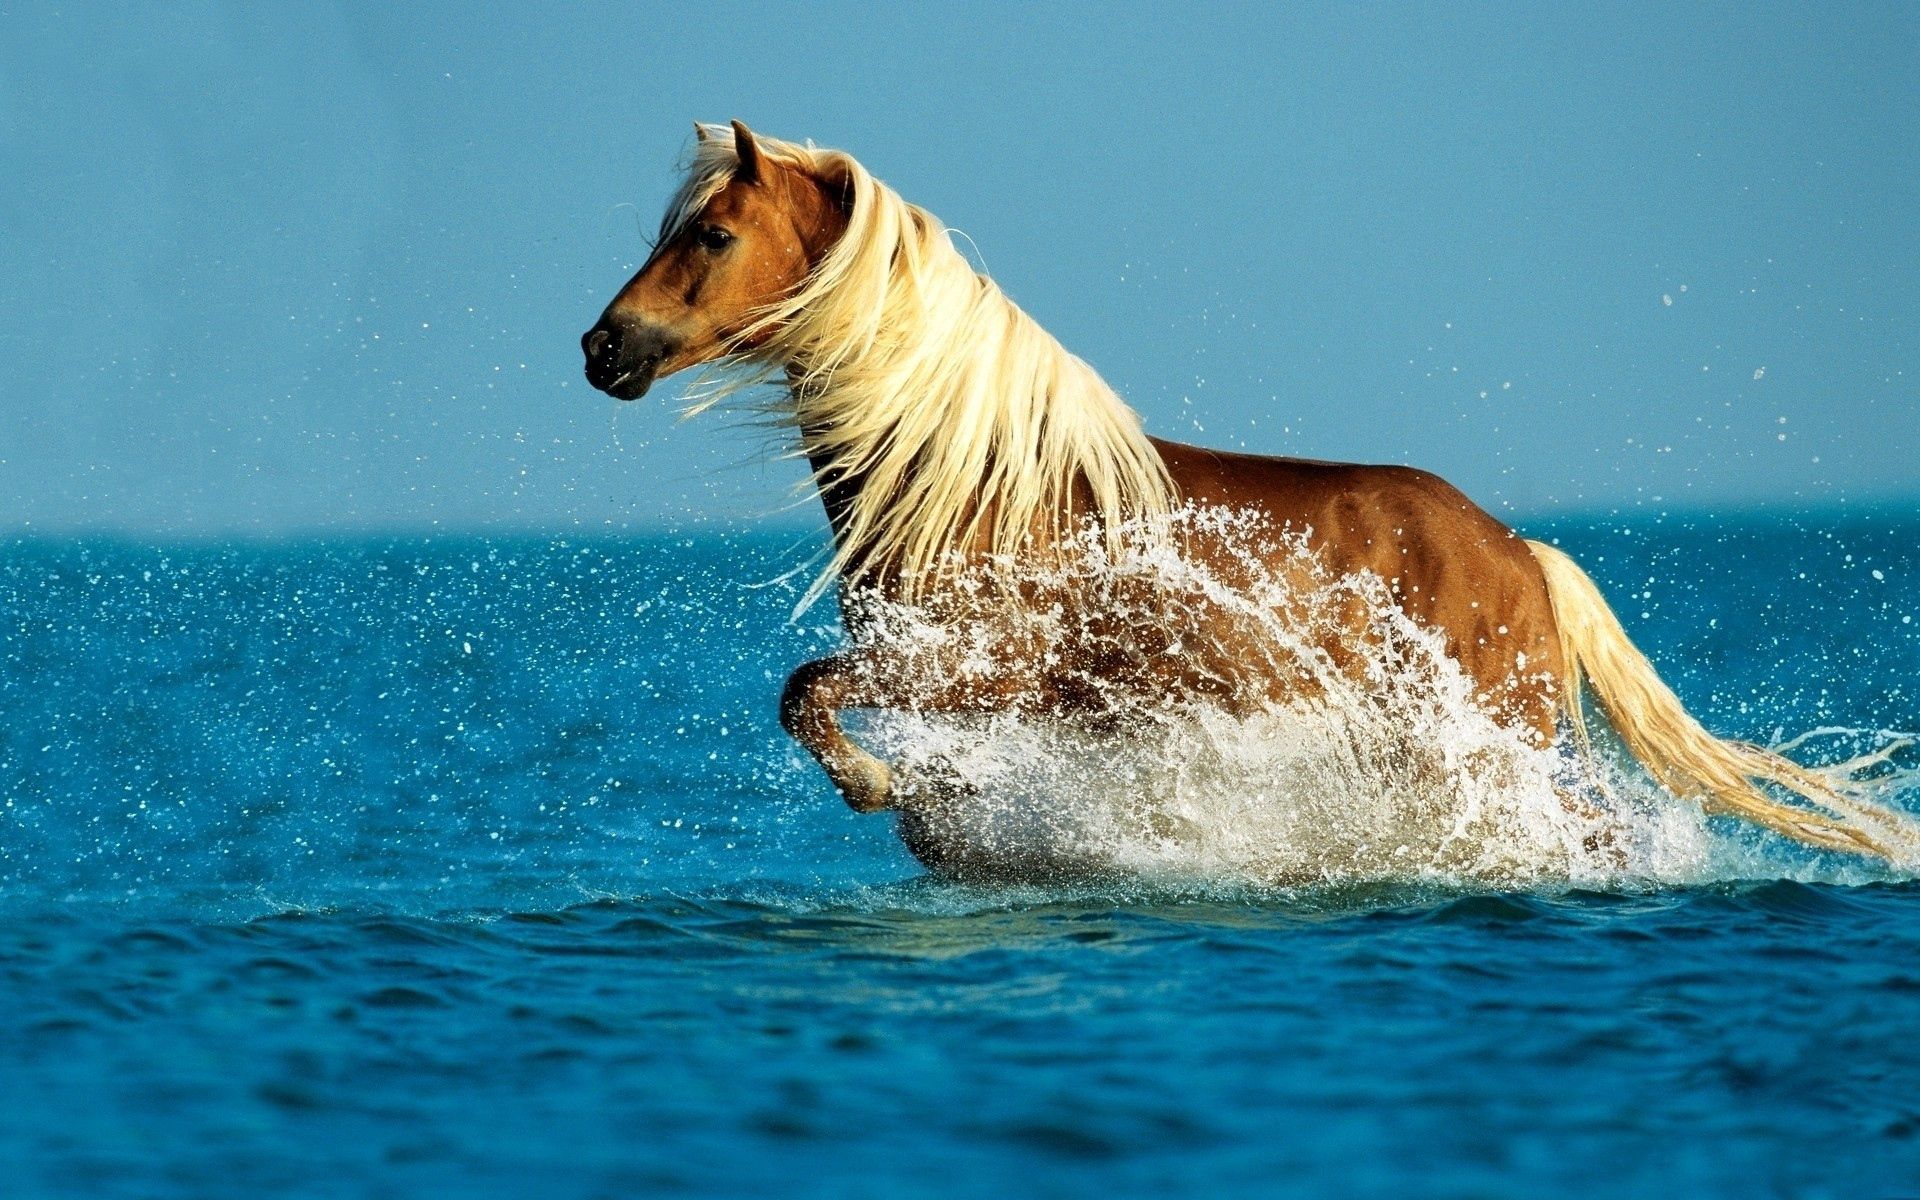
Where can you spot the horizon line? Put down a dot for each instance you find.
(731, 524)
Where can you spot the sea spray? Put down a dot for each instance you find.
(1384, 766)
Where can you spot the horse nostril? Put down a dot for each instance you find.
(598, 341)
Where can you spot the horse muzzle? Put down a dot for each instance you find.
(623, 358)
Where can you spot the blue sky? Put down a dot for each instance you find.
(285, 268)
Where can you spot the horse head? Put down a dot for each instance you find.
(743, 235)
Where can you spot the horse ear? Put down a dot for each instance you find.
(837, 183)
(700, 133)
(749, 152)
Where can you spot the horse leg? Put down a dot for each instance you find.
(818, 690)
(809, 712)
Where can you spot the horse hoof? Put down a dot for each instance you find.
(870, 788)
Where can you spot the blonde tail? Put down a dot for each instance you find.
(1685, 758)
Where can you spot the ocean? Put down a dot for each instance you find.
(480, 867)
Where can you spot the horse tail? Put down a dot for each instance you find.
(1724, 777)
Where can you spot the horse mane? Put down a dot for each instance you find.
(963, 426)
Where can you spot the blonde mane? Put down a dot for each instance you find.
(967, 427)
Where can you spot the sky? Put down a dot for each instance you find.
(284, 269)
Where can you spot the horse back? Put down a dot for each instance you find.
(1449, 564)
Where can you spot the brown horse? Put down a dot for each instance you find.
(951, 438)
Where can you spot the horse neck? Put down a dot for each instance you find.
(838, 489)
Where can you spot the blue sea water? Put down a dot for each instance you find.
(481, 868)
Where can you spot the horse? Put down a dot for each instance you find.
(949, 435)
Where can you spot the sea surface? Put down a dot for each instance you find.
(480, 867)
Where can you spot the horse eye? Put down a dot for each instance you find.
(712, 237)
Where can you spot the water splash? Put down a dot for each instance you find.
(1385, 768)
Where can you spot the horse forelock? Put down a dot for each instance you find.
(963, 427)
